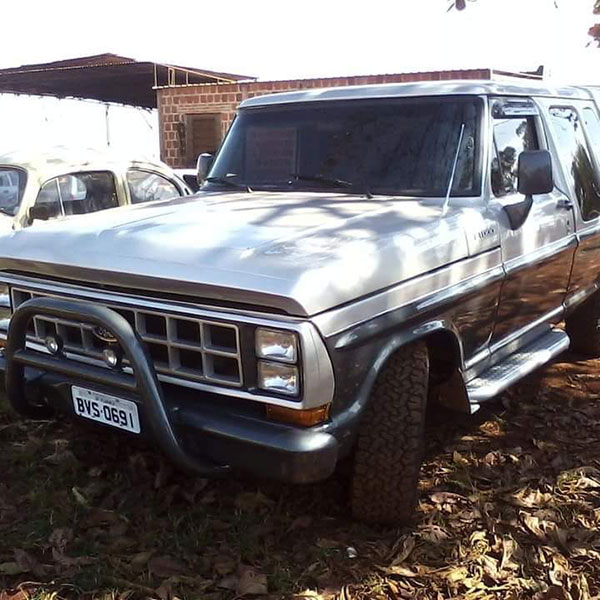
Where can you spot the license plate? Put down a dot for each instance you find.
(106, 409)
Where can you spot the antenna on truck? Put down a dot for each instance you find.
(454, 164)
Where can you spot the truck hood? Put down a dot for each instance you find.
(300, 253)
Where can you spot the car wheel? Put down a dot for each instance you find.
(389, 449)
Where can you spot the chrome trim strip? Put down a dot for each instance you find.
(541, 254)
(590, 229)
(416, 295)
(580, 295)
(476, 359)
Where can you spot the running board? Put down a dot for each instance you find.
(497, 378)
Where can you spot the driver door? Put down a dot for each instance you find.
(537, 253)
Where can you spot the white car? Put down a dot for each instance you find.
(59, 182)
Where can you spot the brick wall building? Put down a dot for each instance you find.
(194, 118)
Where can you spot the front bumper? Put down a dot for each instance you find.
(204, 437)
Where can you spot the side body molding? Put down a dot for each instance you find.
(454, 307)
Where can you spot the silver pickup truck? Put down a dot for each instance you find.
(353, 255)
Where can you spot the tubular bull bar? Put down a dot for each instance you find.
(143, 382)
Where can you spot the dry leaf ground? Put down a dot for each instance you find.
(510, 508)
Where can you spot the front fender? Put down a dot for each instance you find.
(359, 359)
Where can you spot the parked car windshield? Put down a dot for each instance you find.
(12, 185)
(396, 147)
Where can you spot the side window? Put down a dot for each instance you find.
(87, 192)
(575, 155)
(78, 193)
(145, 186)
(592, 127)
(49, 199)
(512, 135)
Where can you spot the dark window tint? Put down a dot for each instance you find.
(83, 193)
(575, 155)
(511, 137)
(48, 198)
(592, 127)
(399, 147)
(145, 186)
(12, 186)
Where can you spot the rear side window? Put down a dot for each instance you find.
(575, 155)
(79, 193)
(512, 135)
(145, 186)
(83, 193)
(592, 127)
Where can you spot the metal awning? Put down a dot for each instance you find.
(105, 77)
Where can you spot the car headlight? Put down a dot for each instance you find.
(5, 310)
(281, 346)
(278, 378)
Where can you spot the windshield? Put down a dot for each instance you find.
(402, 147)
(12, 185)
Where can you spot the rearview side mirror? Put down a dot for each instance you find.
(38, 212)
(203, 165)
(535, 172)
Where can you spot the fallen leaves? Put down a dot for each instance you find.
(166, 566)
(509, 509)
(247, 581)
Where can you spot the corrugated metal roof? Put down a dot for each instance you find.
(105, 77)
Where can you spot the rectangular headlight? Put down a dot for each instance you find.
(278, 378)
(277, 345)
(5, 311)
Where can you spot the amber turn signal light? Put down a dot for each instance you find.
(304, 418)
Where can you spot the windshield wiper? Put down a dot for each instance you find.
(6, 211)
(330, 181)
(229, 182)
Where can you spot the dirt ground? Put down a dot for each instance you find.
(509, 508)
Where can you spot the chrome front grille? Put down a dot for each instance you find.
(186, 348)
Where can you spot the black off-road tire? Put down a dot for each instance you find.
(583, 327)
(389, 449)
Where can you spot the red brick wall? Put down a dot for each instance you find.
(174, 103)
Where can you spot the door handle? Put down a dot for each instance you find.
(564, 203)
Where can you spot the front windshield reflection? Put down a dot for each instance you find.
(401, 147)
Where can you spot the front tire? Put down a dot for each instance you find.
(583, 327)
(389, 450)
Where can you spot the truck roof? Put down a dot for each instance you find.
(426, 88)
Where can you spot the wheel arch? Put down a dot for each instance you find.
(446, 361)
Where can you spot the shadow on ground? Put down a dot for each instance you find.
(510, 508)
